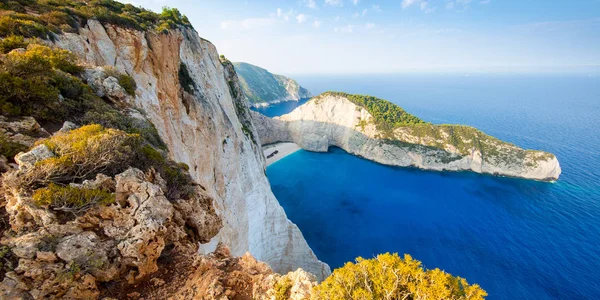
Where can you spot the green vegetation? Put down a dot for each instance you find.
(12, 42)
(390, 277)
(69, 198)
(400, 128)
(125, 81)
(40, 18)
(282, 289)
(9, 149)
(179, 182)
(387, 115)
(41, 82)
(84, 152)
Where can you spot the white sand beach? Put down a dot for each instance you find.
(275, 152)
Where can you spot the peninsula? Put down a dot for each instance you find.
(383, 132)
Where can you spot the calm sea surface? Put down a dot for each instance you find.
(518, 239)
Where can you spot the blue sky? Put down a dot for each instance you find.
(385, 36)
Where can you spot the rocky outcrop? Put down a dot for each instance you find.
(197, 107)
(67, 256)
(263, 88)
(333, 120)
(219, 275)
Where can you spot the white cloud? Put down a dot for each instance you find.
(408, 3)
(283, 15)
(301, 18)
(364, 12)
(311, 4)
(337, 19)
(376, 7)
(355, 2)
(334, 2)
(370, 25)
(344, 29)
(316, 24)
(356, 15)
(485, 1)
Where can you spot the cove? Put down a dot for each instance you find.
(518, 239)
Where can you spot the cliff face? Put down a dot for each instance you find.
(263, 88)
(197, 106)
(333, 120)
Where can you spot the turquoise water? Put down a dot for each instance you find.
(519, 239)
(279, 109)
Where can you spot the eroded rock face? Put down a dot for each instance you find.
(206, 126)
(332, 120)
(219, 275)
(58, 257)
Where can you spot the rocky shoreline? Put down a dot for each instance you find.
(334, 120)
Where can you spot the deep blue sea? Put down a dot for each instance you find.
(518, 239)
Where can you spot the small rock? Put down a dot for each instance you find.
(46, 256)
(67, 126)
(26, 160)
(134, 295)
(113, 89)
(157, 281)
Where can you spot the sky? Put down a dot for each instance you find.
(398, 36)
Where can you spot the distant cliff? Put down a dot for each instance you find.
(263, 88)
(381, 131)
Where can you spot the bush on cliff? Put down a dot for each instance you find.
(81, 154)
(9, 149)
(390, 277)
(40, 82)
(12, 42)
(68, 16)
(387, 115)
(70, 198)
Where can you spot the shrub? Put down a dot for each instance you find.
(103, 114)
(81, 154)
(282, 289)
(390, 277)
(387, 115)
(32, 82)
(12, 42)
(70, 198)
(22, 25)
(179, 183)
(9, 149)
(125, 81)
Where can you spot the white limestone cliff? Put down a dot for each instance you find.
(209, 129)
(333, 120)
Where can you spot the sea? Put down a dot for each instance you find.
(518, 239)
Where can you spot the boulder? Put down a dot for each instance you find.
(26, 160)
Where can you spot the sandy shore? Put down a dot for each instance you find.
(283, 150)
